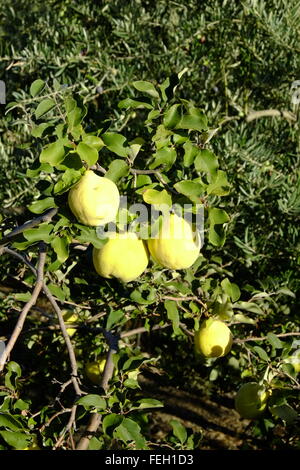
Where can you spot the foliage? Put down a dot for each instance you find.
(167, 88)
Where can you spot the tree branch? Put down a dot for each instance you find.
(270, 113)
(95, 419)
(20, 323)
(263, 338)
(31, 223)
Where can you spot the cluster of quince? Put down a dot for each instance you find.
(94, 201)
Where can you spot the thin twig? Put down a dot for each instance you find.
(60, 319)
(66, 410)
(20, 323)
(95, 419)
(263, 338)
(270, 113)
(31, 223)
(67, 340)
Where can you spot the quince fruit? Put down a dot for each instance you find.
(70, 317)
(124, 257)
(213, 339)
(177, 246)
(251, 400)
(94, 200)
(295, 361)
(94, 370)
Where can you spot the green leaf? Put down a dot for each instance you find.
(37, 207)
(36, 87)
(89, 235)
(38, 131)
(146, 87)
(93, 141)
(54, 153)
(40, 233)
(173, 315)
(114, 317)
(137, 295)
(195, 122)
(179, 430)
(56, 291)
(8, 421)
(134, 148)
(115, 143)
(13, 373)
(231, 289)
(145, 403)
(206, 161)
(165, 156)
(18, 440)
(25, 297)
(117, 170)
(190, 152)
(44, 107)
(74, 117)
(239, 317)
(219, 184)
(130, 103)
(158, 199)
(284, 412)
(274, 341)
(36, 169)
(217, 217)
(133, 363)
(213, 375)
(87, 153)
(95, 444)
(21, 405)
(131, 383)
(110, 422)
(168, 87)
(70, 104)
(249, 306)
(129, 431)
(190, 189)
(61, 247)
(94, 401)
(171, 116)
(67, 180)
(262, 353)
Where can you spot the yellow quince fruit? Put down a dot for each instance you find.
(124, 257)
(176, 246)
(94, 200)
(94, 370)
(213, 339)
(70, 318)
(251, 400)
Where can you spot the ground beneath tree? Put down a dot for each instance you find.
(217, 421)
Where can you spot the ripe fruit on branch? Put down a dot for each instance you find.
(70, 317)
(94, 200)
(213, 339)
(124, 257)
(251, 400)
(177, 246)
(94, 370)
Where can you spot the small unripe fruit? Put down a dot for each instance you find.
(251, 400)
